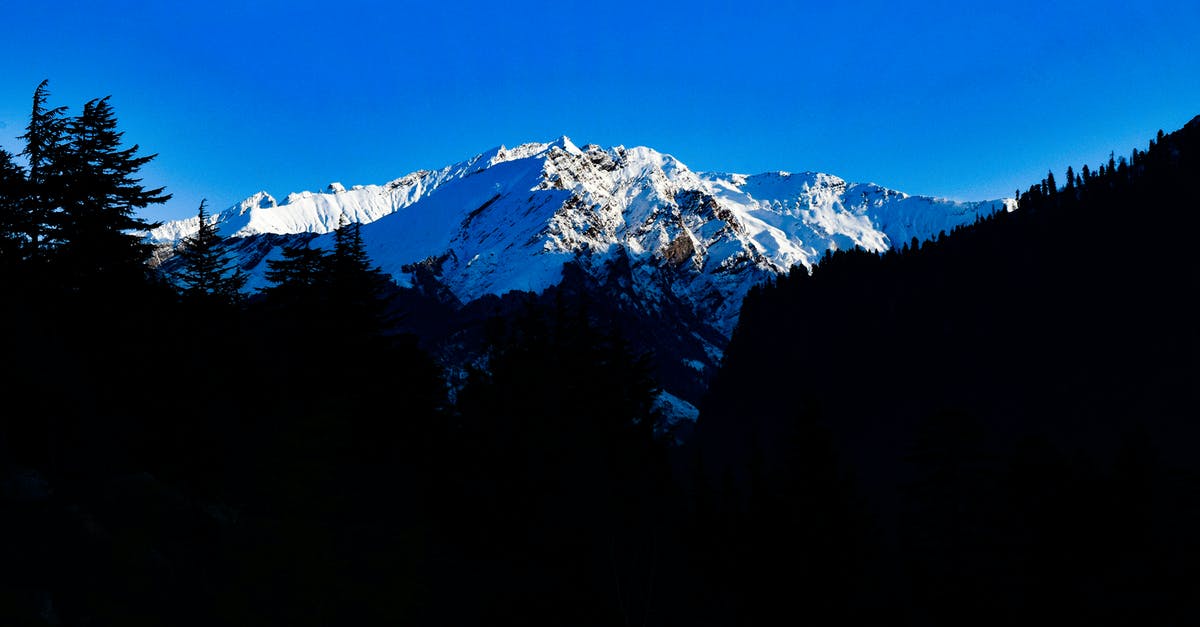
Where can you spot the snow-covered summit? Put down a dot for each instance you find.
(507, 219)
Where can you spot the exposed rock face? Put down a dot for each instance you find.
(679, 250)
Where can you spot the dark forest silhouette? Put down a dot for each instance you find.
(1011, 407)
(994, 427)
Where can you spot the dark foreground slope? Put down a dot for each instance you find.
(998, 426)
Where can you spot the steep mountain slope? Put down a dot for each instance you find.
(684, 246)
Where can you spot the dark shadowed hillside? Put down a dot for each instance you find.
(1014, 405)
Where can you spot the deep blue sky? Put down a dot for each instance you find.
(943, 98)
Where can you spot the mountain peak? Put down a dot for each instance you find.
(258, 200)
(530, 149)
(566, 144)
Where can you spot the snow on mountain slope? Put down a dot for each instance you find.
(508, 219)
(310, 212)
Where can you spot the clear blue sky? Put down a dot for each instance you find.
(951, 99)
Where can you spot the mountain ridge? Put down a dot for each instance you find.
(668, 251)
(508, 218)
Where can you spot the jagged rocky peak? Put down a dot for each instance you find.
(260, 200)
(565, 144)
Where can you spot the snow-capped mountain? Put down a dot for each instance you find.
(508, 219)
(634, 230)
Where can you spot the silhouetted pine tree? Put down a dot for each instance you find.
(358, 289)
(94, 245)
(208, 275)
(336, 291)
(45, 145)
(298, 277)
